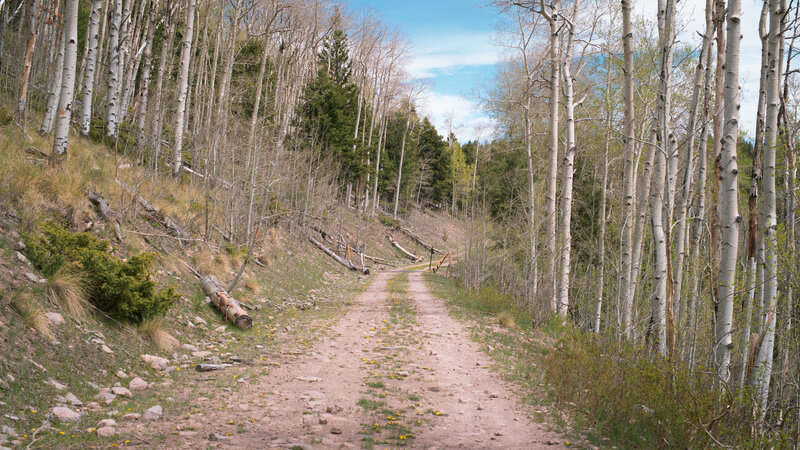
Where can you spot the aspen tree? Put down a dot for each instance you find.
(92, 44)
(183, 85)
(64, 113)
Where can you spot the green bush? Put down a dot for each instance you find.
(121, 288)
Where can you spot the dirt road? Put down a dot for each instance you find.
(396, 371)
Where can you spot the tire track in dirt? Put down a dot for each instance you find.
(396, 371)
(479, 411)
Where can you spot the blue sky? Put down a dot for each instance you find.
(453, 50)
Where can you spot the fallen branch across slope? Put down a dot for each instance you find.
(338, 258)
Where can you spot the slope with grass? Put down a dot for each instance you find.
(61, 347)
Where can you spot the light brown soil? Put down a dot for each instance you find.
(431, 387)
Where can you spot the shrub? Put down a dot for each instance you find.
(5, 116)
(122, 288)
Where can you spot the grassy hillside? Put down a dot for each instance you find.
(289, 284)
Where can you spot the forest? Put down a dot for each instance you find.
(619, 195)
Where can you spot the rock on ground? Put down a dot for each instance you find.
(137, 384)
(106, 431)
(65, 415)
(156, 362)
(119, 390)
(153, 413)
(54, 318)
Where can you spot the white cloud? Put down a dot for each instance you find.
(447, 54)
(466, 115)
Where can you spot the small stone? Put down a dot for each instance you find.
(34, 278)
(124, 392)
(132, 416)
(217, 437)
(335, 430)
(65, 415)
(11, 417)
(54, 318)
(189, 347)
(105, 349)
(22, 258)
(20, 246)
(106, 431)
(11, 377)
(189, 324)
(153, 413)
(3, 385)
(200, 320)
(493, 395)
(57, 385)
(107, 423)
(112, 413)
(220, 329)
(309, 379)
(8, 431)
(93, 406)
(137, 384)
(156, 362)
(106, 397)
(121, 374)
(72, 399)
(202, 354)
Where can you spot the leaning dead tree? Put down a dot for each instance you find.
(412, 256)
(339, 259)
(231, 308)
(419, 241)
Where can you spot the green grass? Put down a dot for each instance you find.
(609, 393)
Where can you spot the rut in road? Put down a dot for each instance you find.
(397, 371)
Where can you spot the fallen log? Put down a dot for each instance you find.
(226, 303)
(99, 203)
(162, 219)
(413, 257)
(375, 259)
(338, 258)
(419, 241)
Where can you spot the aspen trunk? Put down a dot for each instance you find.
(552, 159)
(183, 85)
(568, 170)
(114, 64)
(54, 90)
(729, 197)
(91, 65)
(629, 182)
(144, 90)
(30, 46)
(64, 113)
(762, 371)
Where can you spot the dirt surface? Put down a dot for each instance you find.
(396, 370)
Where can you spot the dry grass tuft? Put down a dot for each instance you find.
(505, 319)
(252, 285)
(154, 330)
(32, 314)
(67, 289)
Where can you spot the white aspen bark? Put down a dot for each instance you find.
(552, 159)
(683, 223)
(183, 85)
(699, 215)
(602, 219)
(625, 304)
(54, 90)
(30, 46)
(762, 371)
(568, 165)
(144, 90)
(661, 197)
(752, 202)
(64, 113)
(402, 159)
(91, 66)
(114, 61)
(643, 200)
(729, 197)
